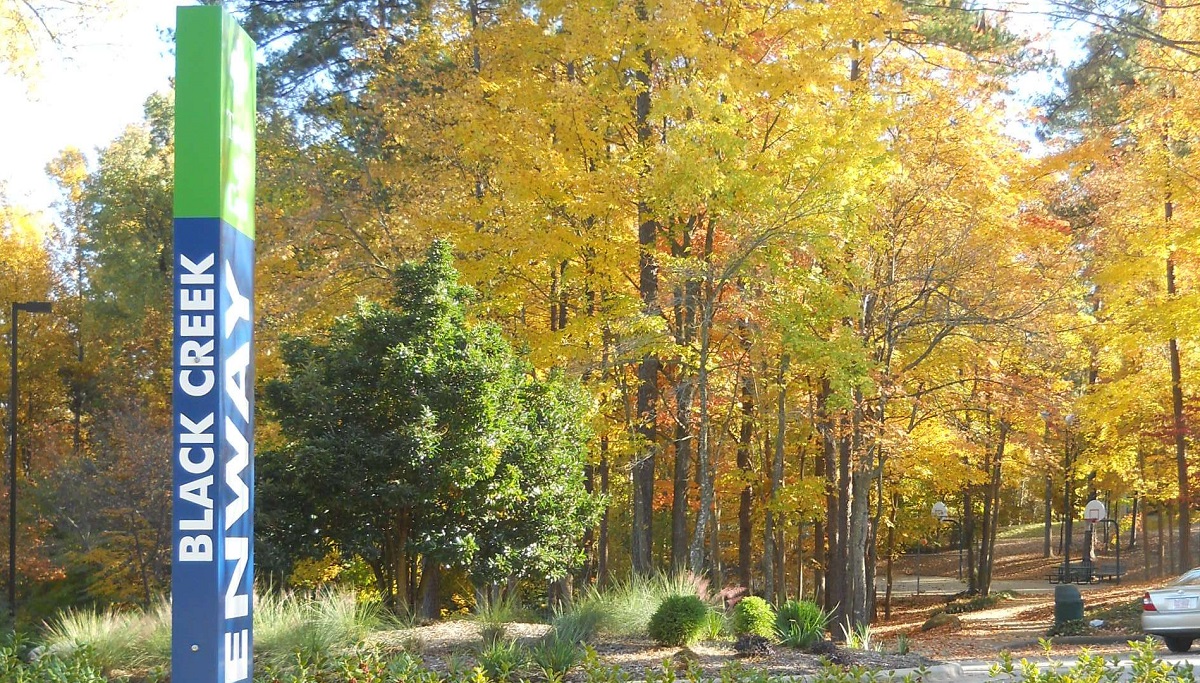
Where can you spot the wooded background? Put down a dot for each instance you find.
(809, 282)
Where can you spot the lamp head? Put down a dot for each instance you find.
(35, 306)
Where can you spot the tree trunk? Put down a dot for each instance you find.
(772, 561)
(706, 466)
(833, 573)
(141, 560)
(800, 571)
(1159, 550)
(641, 550)
(745, 440)
(684, 392)
(1145, 542)
(1180, 433)
(602, 541)
(560, 594)
(820, 551)
(841, 557)
(714, 547)
(685, 389)
(589, 535)
(860, 512)
(1172, 554)
(891, 554)
(1133, 525)
(431, 589)
(992, 513)
(969, 539)
(1048, 511)
(1068, 496)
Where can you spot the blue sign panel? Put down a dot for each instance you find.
(212, 563)
(212, 570)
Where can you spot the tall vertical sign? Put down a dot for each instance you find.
(213, 373)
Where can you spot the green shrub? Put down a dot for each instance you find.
(491, 634)
(715, 626)
(754, 616)
(624, 608)
(1073, 627)
(501, 660)
(801, 623)
(50, 668)
(978, 602)
(555, 655)
(678, 620)
(1144, 666)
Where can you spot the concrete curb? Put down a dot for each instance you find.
(931, 674)
(1073, 640)
(938, 673)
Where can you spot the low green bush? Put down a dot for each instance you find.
(555, 655)
(977, 603)
(678, 620)
(502, 660)
(625, 607)
(1144, 667)
(49, 669)
(801, 623)
(715, 626)
(754, 616)
(1073, 627)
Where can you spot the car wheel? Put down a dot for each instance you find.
(1178, 644)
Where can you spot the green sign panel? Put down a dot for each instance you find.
(214, 103)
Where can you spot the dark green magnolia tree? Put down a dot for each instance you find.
(418, 440)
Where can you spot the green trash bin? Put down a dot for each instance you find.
(1068, 604)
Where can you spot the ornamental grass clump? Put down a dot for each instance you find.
(754, 616)
(556, 654)
(678, 620)
(501, 661)
(801, 623)
(113, 639)
(624, 608)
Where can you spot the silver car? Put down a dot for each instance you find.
(1173, 611)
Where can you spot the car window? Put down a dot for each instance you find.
(1191, 578)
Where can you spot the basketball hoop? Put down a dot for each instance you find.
(940, 512)
(1093, 512)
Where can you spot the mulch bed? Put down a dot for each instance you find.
(451, 645)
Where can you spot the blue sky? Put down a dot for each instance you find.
(84, 96)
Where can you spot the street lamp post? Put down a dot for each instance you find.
(28, 307)
(942, 514)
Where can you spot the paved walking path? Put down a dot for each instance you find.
(949, 585)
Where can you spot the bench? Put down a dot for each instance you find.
(1084, 574)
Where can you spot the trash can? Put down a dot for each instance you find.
(1068, 604)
